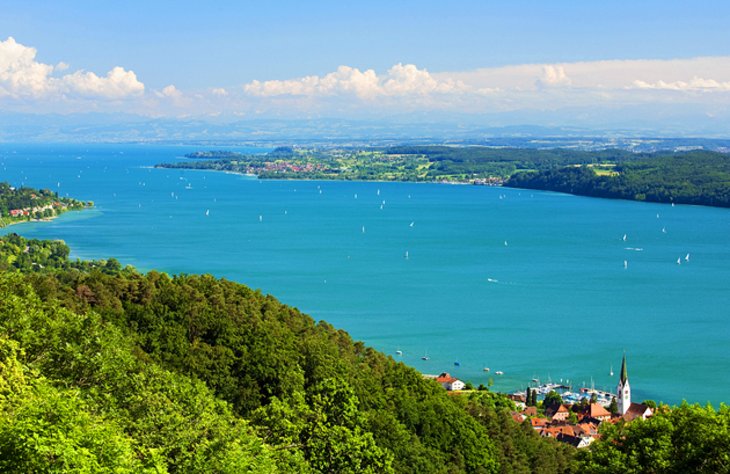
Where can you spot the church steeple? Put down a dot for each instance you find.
(623, 390)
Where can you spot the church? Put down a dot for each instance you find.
(626, 409)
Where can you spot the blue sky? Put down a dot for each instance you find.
(195, 58)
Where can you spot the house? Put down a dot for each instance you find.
(530, 411)
(449, 382)
(538, 423)
(596, 412)
(586, 429)
(518, 417)
(575, 441)
(561, 414)
(637, 410)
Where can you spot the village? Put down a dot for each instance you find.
(573, 418)
(23, 204)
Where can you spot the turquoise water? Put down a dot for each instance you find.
(555, 301)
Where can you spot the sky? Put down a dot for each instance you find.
(569, 63)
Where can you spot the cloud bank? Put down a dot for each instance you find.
(538, 93)
(401, 79)
(23, 77)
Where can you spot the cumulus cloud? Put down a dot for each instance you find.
(695, 84)
(553, 75)
(22, 76)
(169, 92)
(219, 91)
(398, 81)
(118, 83)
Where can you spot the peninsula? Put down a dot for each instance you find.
(25, 204)
(681, 177)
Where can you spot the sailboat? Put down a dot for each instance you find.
(679, 261)
(207, 212)
(686, 258)
(610, 371)
(399, 352)
(425, 356)
(626, 264)
(406, 255)
(624, 237)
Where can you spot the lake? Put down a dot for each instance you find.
(534, 284)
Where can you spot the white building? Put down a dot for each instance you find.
(623, 390)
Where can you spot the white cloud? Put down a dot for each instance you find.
(219, 91)
(695, 84)
(400, 80)
(117, 84)
(554, 75)
(21, 76)
(599, 75)
(169, 92)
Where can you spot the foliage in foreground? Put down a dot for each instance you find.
(197, 374)
(103, 369)
(685, 439)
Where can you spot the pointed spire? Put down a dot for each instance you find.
(624, 374)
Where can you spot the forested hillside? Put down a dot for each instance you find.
(197, 374)
(684, 178)
(104, 369)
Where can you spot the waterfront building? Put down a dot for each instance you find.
(623, 390)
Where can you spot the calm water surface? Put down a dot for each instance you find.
(529, 283)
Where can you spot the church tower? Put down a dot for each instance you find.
(623, 390)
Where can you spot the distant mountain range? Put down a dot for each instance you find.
(116, 128)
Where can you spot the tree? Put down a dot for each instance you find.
(613, 406)
(552, 400)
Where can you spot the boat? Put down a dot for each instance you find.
(686, 258)
(610, 371)
(363, 229)
(457, 363)
(499, 372)
(406, 255)
(626, 264)
(486, 369)
(425, 356)
(679, 261)
(505, 243)
(624, 237)
(412, 223)
(207, 212)
(399, 352)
